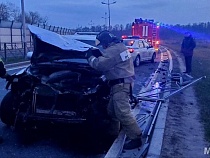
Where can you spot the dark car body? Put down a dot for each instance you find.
(58, 86)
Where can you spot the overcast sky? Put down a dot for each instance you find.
(74, 13)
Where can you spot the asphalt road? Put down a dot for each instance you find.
(56, 144)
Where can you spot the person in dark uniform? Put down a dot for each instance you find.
(187, 47)
(4, 75)
(117, 65)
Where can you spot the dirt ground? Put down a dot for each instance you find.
(184, 132)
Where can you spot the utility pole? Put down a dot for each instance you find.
(23, 27)
(108, 4)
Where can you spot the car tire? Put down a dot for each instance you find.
(153, 57)
(137, 61)
(7, 112)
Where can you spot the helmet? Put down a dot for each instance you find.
(104, 38)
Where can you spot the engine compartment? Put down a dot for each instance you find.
(64, 77)
(62, 91)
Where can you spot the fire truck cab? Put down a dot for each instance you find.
(147, 30)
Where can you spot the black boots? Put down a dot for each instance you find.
(132, 144)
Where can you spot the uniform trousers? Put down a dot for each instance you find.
(188, 63)
(120, 112)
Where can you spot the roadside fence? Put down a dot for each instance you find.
(11, 38)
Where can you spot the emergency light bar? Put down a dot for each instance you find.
(130, 37)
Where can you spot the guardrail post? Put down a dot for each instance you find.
(24, 47)
(5, 52)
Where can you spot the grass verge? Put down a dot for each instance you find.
(200, 67)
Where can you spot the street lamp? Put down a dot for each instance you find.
(23, 27)
(108, 4)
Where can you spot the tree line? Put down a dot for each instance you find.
(198, 30)
(10, 12)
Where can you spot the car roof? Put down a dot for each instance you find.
(81, 37)
(134, 39)
(86, 33)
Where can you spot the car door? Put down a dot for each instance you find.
(148, 53)
(142, 50)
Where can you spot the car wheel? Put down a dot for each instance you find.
(153, 57)
(7, 112)
(137, 61)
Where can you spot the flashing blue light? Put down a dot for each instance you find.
(158, 25)
(181, 30)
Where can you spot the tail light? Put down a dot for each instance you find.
(131, 43)
(157, 42)
(131, 50)
(124, 36)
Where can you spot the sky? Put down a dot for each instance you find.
(73, 14)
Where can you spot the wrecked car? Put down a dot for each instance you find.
(58, 86)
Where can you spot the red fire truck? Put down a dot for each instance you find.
(148, 30)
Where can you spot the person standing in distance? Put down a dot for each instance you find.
(187, 47)
(4, 75)
(3, 72)
(117, 65)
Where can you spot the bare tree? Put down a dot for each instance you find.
(8, 11)
(34, 18)
(116, 27)
(4, 12)
(45, 20)
(14, 11)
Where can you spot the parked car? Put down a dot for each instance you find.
(86, 33)
(86, 38)
(59, 86)
(140, 50)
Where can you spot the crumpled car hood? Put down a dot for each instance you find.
(50, 46)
